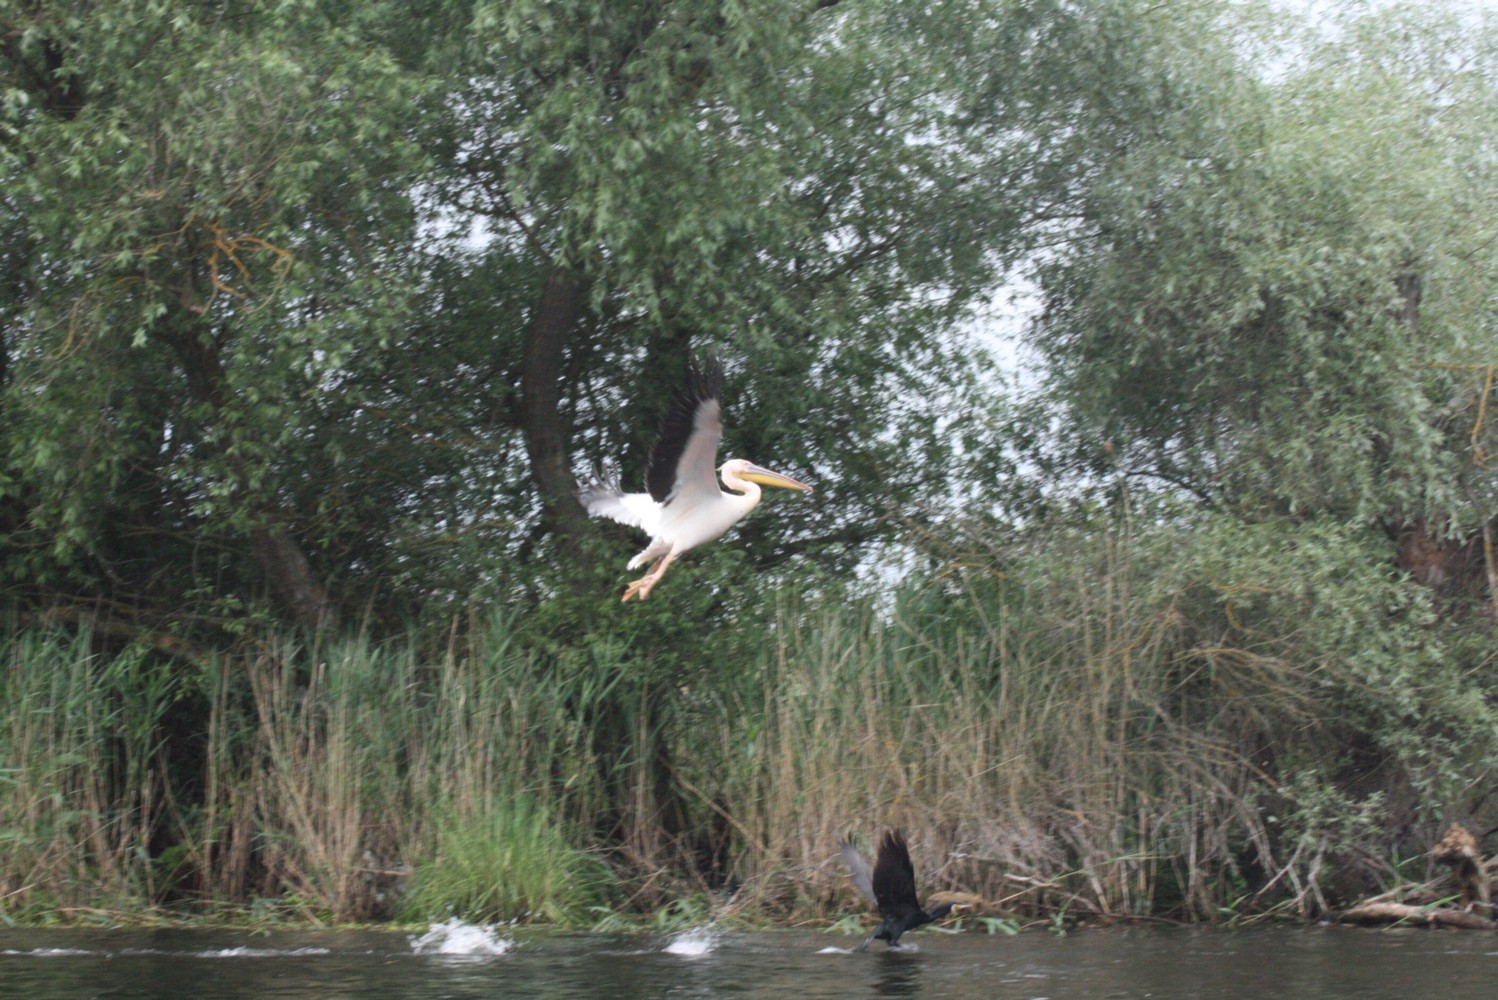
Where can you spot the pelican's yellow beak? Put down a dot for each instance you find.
(767, 478)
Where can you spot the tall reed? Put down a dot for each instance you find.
(324, 774)
(1118, 724)
(1113, 723)
(81, 784)
(367, 762)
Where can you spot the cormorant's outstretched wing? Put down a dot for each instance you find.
(860, 872)
(685, 457)
(894, 876)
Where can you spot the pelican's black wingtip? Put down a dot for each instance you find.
(704, 376)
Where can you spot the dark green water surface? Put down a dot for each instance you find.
(459, 961)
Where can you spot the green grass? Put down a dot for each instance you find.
(507, 860)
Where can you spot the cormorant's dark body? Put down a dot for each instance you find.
(891, 887)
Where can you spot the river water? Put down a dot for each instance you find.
(460, 961)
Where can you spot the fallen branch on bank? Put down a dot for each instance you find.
(1382, 914)
(1461, 851)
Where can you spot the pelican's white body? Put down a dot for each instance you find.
(689, 519)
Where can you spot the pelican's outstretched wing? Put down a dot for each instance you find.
(604, 497)
(683, 463)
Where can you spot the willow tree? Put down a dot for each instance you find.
(785, 186)
(333, 300)
(1275, 308)
(1280, 302)
(200, 204)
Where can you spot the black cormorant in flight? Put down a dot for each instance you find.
(890, 886)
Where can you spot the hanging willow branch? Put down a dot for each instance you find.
(1479, 454)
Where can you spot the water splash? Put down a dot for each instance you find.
(241, 952)
(695, 943)
(454, 937)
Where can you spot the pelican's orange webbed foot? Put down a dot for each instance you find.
(639, 589)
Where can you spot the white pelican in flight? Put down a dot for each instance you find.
(684, 508)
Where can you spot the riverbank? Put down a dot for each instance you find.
(1108, 726)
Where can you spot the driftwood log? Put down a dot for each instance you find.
(1383, 914)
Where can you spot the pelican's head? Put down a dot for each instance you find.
(738, 468)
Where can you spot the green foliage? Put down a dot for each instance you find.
(997, 925)
(269, 304)
(1273, 294)
(505, 860)
(1138, 718)
(1278, 659)
(681, 914)
(204, 213)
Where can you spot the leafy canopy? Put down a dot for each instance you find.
(1279, 301)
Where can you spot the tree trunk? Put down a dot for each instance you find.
(283, 563)
(291, 576)
(544, 429)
